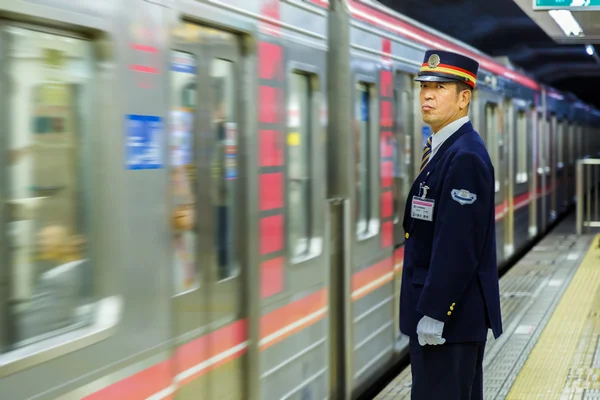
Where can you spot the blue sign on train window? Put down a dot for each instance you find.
(183, 62)
(144, 137)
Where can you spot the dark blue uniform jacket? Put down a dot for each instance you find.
(450, 269)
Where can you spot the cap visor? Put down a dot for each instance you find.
(433, 78)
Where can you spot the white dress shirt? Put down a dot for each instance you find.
(444, 133)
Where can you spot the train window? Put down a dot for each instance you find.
(396, 157)
(581, 141)
(550, 142)
(183, 168)
(543, 154)
(299, 136)
(407, 169)
(50, 271)
(363, 129)
(577, 142)
(492, 136)
(522, 147)
(571, 142)
(224, 165)
(560, 144)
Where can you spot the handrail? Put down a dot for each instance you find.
(588, 183)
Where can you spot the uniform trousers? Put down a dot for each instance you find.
(451, 371)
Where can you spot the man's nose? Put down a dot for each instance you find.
(428, 94)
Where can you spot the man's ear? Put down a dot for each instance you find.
(465, 98)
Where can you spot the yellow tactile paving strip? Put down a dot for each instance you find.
(561, 361)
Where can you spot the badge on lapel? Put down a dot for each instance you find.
(463, 196)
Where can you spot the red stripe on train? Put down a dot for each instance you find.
(204, 354)
(291, 318)
(321, 3)
(138, 386)
(371, 278)
(208, 352)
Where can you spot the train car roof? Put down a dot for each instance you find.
(383, 17)
(509, 30)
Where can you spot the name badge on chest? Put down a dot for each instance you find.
(422, 207)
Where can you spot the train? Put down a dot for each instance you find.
(204, 199)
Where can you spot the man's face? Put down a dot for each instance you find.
(441, 104)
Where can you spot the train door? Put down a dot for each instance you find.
(561, 171)
(580, 137)
(293, 249)
(552, 187)
(403, 174)
(403, 161)
(570, 162)
(493, 137)
(372, 269)
(507, 152)
(580, 145)
(542, 171)
(532, 170)
(207, 216)
(520, 176)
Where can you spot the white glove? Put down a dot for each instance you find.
(430, 331)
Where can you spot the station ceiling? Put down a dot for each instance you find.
(510, 28)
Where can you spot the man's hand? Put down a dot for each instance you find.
(430, 331)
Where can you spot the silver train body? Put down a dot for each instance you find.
(204, 199)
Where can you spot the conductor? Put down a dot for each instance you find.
(450, 294)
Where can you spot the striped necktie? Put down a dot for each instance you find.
(426, 154)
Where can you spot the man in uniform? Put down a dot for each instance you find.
(450, 294)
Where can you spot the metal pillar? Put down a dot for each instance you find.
(6, 332)
(340, 155)
(339, 103)
(588, 194)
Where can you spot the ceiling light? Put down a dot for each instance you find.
(589, 49)
(567, 22)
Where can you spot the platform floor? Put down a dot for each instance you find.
(550, 304)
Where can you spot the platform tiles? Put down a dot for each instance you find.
(530, 293)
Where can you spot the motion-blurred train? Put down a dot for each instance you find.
(204, 199)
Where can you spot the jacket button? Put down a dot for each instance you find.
(449, 312)
(406, 235)
(453, 304)
(451, 308)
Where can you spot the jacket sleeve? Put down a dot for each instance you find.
(461, 228)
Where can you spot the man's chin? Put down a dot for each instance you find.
(427, 118)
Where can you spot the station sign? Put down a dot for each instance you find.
(576, 5)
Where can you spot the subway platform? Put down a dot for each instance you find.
(550, 301)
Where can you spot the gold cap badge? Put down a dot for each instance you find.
(434, 61)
